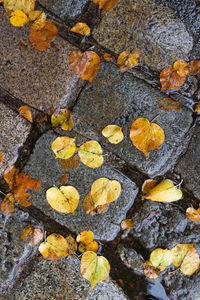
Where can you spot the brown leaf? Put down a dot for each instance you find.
(25, 112)
(127, 224)
(70, 163)
(89, 206)
(148, 185)
(1, 157)
(105, 4)
(7, 205)
(44, 119)
(64, 179)
(84, 64)
(170, 79)
(194, 66)
(169, 104)
(18, 184)
(150, 271)
(34, 235)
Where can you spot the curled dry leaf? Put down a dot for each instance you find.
(197, 107)
(63, 147)
(89, 206)
(186, 257)
(25, 112)
(85, 237)
(146, 136)
(165, 191)
(34, 235)
(18, 184)
(169, 104)
(64, 199)
(41, 38)
(62, 118)
(107, 56)
(71, 163)
(128, 60)
(81, 28)
(148, 185)
(105, 4)
(24, 5)
(194, 66)
(161, 258)
(8, 204)
(54, 247)
(127, 224)
(71, 245)
(91, 154)
(38, 19)
(85, 64)
(1, 157)
(113, 133)
(19, 18)
(94, 268)
(104, 191)
(150, 271)
(193, 214)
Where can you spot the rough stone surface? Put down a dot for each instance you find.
(131, 258)
(65, 8)
(41, 79)
(189, 164)
(62, 280)
(119, 98)
(150, 28)
(14, 251)
(43, 165)
(14, 131)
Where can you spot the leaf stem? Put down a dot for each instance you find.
(155, 118)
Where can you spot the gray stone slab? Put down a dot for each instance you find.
(189, 164)
(65, 8)
(120, 98)
(15, 253)
(44, 166)
(61, 280)
(150, 28)
(13, 134)
(44, 79)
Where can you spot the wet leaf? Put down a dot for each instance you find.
(107, 56)
(91, 154)
(148, 185)
(104, 191)
(71, 163)
(18, 184)
(150, 271)
(81, 28)
(194, 66)
(128, 60)
(71, 245)
(94, 268)
(146, 136)
(34, 235)
(19, 18)
(161, 258)
(165, 191)
(64, 147)
(54, 247)
(1, 157)
(25, 112)
(89, 206)
(8, 204)
(186, 257)
(85, 64)
(170, 79)
(38, 19)
(181, 67)
(24, 5)
(193, 214)
(113, 133)
(169, 104)
(105, 4)
(64, 179)
(85, 237)
(127, 224)
(41, 38)
(197, 107)
(64, 199)
(62, 118)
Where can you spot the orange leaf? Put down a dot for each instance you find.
(64, 179)
(169, 104)
(70, 163)
(34, 235)
(127, 224)
(170, 79)
(1, 157)
(105, 4)
(194, 66)
(193, 214)
(197, 107)
(44, 119)
(92, 246)
(148, 185)
(128, 60)
(25, 112)
(7, 205)
(84, 64)
(89, 206)
(181, 67)
(41, 38)
(19, 183)
(107, 56)
(146, 136)
(81, 28)
(150, 271)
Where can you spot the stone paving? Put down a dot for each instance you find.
(162, 32)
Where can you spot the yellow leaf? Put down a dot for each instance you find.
(64, 147)
(54, 247)
(81, 28)
(181, 67)
(38, 19)
(81, 248)
(92, 246)
(25, 112)
(94, 268)
(113, 133)
(127, 224)
(91, 154)
(150, 271)
(105, 191)
(146, 136)
(19, 18)
(24, 5)
(161, 258)
(128, 60)
(71, 245)
(186, 257)
(193, 214)
(64, 199)
(85, 237)
(62, 118)
(89, 206)
(165, 191)
(105, 4)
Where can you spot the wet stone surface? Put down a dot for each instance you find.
(14, 132)
(14, 252)
(189, 164)
(62, 280)
(43, 165)
(120, 98)
(152, 29)
(44, 79)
